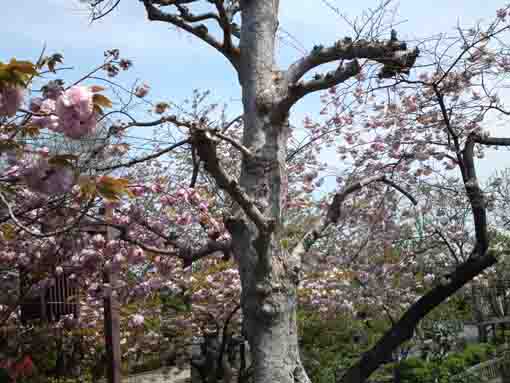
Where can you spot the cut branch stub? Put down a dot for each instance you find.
(394, 55)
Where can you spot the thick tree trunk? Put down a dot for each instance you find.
(268, 276)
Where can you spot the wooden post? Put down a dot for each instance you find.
(111, 317)
(505, 367)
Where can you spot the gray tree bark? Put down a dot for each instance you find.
(269, 297)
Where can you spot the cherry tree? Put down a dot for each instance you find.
(431, 111)
(51, 190)
(431, 123)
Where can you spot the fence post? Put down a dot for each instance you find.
(505, 367)
(111, 316)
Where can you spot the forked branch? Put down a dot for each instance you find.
(185, 19)
(334, 212)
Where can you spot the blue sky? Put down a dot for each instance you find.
(174, 63)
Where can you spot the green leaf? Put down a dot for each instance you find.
(101, 100)
(53, 60)
(8, 231)
(6, 145)
(17, 72)
(285, 243)
(112, 188)
(96, 88)
(63, 160)
(31, 130)
(25, 67)
(97, 109)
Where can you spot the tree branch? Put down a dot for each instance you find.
(196, 167)
(300, 89)
(243, 149)
(186, 253)
(390, 53)
(206, 149)
(229, 124)
(144, 159)
(186, 15)
(334, 212)
(225, 22)
(224, 336)
(491, 141)
(486, 257)
(393, 54)
(475, 194)
(200, 31)
(173, 2)
(38, 234)
(448, 245)
(476, 197)
(403, 330)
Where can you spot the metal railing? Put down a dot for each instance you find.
(485, 371)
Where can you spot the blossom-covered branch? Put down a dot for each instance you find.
(144, 159)
(186, 253)
(403, 330)
(243, 149)
(37, 233)
(333, 215)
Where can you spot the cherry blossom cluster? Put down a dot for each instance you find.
(70, 112)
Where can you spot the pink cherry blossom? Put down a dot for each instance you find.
(98, 241)
(53, 90)
(138, 191)
(184, 219)
(48, 179)
(47, 122)
(167, 200)
(35, 104)
(11, 98)
(156, 188)
(137, 320)
(142, 90)
(136, 255)
(43, 152)
(119, 258)
(75, 111)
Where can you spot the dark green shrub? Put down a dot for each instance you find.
(413, 370)
(477, 353)
(4, 376)
(416, 370)
(454, 364)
